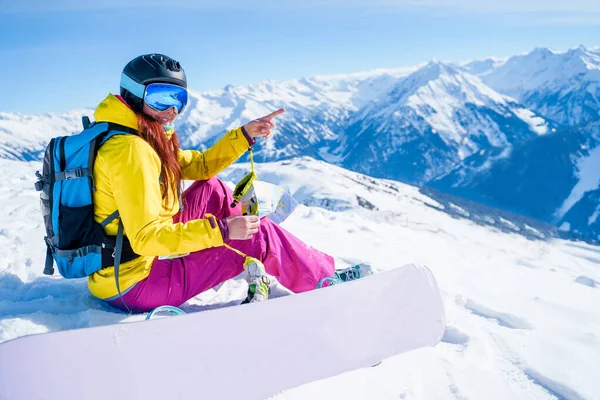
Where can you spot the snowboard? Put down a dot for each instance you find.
(251, 351)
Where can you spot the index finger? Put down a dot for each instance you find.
(274, 114)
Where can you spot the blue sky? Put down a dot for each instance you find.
(63, 54)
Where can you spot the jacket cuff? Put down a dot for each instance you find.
(224, 229)
(251, 141)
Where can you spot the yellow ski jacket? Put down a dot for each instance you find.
(126, 175)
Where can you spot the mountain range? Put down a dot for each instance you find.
(519, 133)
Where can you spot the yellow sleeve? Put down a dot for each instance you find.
(203, 165)
(134, 177)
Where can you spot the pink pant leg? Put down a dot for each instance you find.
(172, 282)
(296, 265)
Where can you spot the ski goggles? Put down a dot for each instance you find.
(158, 96)
(163, 96)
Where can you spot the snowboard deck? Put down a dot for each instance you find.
(251, 351)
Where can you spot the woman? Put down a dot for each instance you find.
(140, 174)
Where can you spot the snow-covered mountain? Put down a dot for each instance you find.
(522, 315)
(317, 109)
(372, 123)
(561, 86)
(429, 121)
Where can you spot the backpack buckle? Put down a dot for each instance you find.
(80, 252)
(73, 173)
(39, 185)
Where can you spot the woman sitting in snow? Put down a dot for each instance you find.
(140, 175)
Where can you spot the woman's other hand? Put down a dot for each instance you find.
(242, 227)
(262, 126)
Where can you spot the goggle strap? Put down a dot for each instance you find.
(137, 89)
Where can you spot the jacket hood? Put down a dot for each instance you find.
(111, 109)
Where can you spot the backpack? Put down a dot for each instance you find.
(74, 240)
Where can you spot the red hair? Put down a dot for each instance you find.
(153, 132)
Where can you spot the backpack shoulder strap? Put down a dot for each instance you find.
(111, 129)
(117, 129)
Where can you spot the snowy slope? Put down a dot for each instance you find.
(522, 314)
(561, 86)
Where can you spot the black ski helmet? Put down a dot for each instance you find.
(147, 69)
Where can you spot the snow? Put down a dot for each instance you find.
(561, 86)
(565, 227)
(587, 173)
(479, 67)
(584, 280)
(594, 215)
(523, 319)
(537, 124)
(542, 68)
(450, 102)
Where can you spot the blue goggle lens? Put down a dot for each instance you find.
(162, 96)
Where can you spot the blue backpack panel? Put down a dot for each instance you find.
(75, 241)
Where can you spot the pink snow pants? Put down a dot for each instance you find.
(172, 282)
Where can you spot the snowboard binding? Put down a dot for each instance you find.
(258, 290)
(259, 284)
